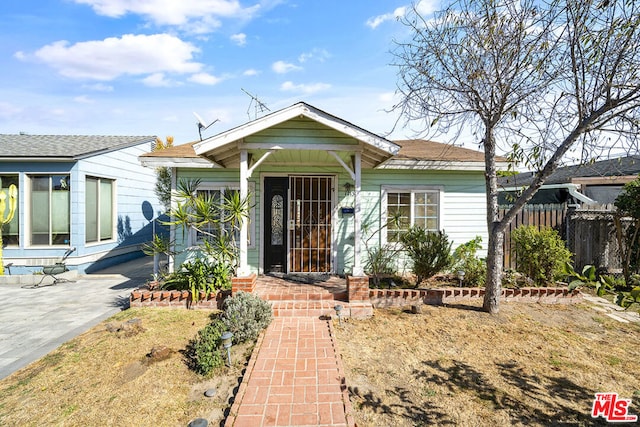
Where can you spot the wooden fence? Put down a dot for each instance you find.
(588, 231)
(549, 215)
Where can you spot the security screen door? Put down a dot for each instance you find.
(309, 224)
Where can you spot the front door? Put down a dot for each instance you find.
(275, 224)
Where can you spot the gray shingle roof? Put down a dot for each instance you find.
(622, 166)
(64, 146)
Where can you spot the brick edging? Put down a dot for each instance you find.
(381, 298)
(348, 408)
(177, 299)
(242, 388)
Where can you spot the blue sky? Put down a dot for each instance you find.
(142, 67)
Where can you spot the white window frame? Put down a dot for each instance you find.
(412, 190)
(114, 214)
(222, 186)
(29, 210)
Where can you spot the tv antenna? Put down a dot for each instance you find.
(258, 106)
(202, 125)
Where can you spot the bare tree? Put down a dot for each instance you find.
(527, 78)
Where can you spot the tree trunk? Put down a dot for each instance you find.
(493, 288)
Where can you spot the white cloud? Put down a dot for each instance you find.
(282, 67)
(199, 16)
(251, 72)
(375, 21)
(99, 87)
(427, 7)
(240, 39)
(116, 56)
(205, 79)
(83, 99)
(319, 55)
(157, 80)
(307, 89)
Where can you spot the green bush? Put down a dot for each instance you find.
(199, 275)
(205, 352)
(540, 254)
(245, 315)
(465, 259)
(430, 252)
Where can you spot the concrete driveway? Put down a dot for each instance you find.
(33, 322)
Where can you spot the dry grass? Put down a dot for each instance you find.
(530, 365)
(104, 377)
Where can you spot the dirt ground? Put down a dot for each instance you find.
(531, 364)
(107, 376)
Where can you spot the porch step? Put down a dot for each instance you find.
(304, 296)
(321, 308)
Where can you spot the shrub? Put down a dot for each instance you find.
(205, 352)
(429, 251)
(465, 258)
(540, 254)
(245, 315)
(380, 262)
(199, 275)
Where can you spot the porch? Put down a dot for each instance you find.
(313, 295)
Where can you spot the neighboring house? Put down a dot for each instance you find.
(84, 192)
(322, 187)
(591, 183)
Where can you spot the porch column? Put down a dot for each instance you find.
(357, 218)
(243, 268)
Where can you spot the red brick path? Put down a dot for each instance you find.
(295, 379)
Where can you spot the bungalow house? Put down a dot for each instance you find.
(86, 193)
(323, 189)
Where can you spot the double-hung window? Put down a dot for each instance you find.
(99, 210)
(50, 205)
(405, 207)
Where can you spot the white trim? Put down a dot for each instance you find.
(358, 270)
(344, 165)
(297, 110)
(300, 147)
(183, 162)
(412, 189)
(402, 164)
(243, 268)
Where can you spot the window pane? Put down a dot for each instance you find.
(106, 209)
(50, 210)
(91, 208)
(10, 231)
(40, 210)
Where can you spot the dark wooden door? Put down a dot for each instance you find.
(275, 224)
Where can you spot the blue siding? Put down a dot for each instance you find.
(136, 205)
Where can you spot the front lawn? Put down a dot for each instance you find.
(532, 364)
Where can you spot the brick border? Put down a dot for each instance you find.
(348, 408)
(177, 299)
(382, 298)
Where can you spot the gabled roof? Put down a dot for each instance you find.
(331, 134)
(611, 168)
(64, 147)
(261, 135)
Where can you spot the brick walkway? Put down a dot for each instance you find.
(294, 379)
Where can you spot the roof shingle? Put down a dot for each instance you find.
(64, 146)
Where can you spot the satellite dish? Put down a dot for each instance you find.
(202, 125)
